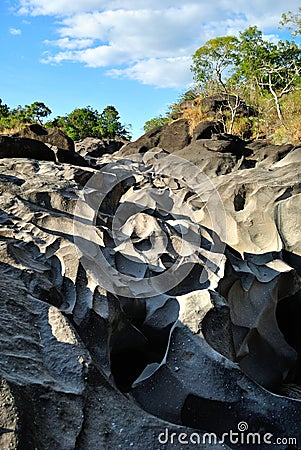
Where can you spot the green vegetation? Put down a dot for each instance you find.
(155, 122)
(247, 70)
(84, 122)
(110, 126)
(80, 123)
(292, 21)
(173, 112)
(36, 112)
(20, 116)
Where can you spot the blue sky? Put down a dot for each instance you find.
(132, 54)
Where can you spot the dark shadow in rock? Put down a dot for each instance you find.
(240, 198)
(11, 179)
(247, 164)
(292, 260)
(206, 129)
(256, 296)
(288, 315)
(43, 199)
(140, 341)
(217, 330)
(196, 385)
(199, 412)
(82, 176)
(190, 283)
(94, 332)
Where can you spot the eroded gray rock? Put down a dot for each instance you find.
(171, 282)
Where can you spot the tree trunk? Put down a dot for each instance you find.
(276, 100)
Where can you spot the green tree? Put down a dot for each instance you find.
(80, 123)
(213, 62)
(248, 66)
(155, 122)
(110, 126)
(19, 113)
(212, 66)
(88, 122)
(272, 69)
(6, 119)
(4, 110)
(36, 112)
(31, 113)
(292, 21)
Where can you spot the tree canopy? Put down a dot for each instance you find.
(250, 73)
(36, 112)
(227, 62)
(211, 61)
(80, 123)
(110, 126)
(88, 122)
(154, 123)
(4, 110)
(249, 66)
(11, 118)
(292, 21)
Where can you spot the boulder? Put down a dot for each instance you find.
(14, 147)
(96, 148)
(43, 143)
(171, 137)
(210, 156)
(205, 130)
(217, 103)
(175, 136)
(52, 136)
(146, 142)
(266, 154)
(64, 156)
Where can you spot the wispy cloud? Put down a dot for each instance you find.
(70, 44)
(150, 41)
(15, 31)
(158, 72)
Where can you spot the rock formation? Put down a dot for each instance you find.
(62, 146)
(52, 136)
(215, 104)
(155, 288)
(95, 148)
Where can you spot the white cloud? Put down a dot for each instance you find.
(15, 31)
(165, 72)
(151, 40)
(66, 7)
(57, 7)
(102, 56)
(70, 44)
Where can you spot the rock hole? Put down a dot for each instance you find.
(130, 359)
(240, 199)
(135, 345)
(288, 314)
(143, 245)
